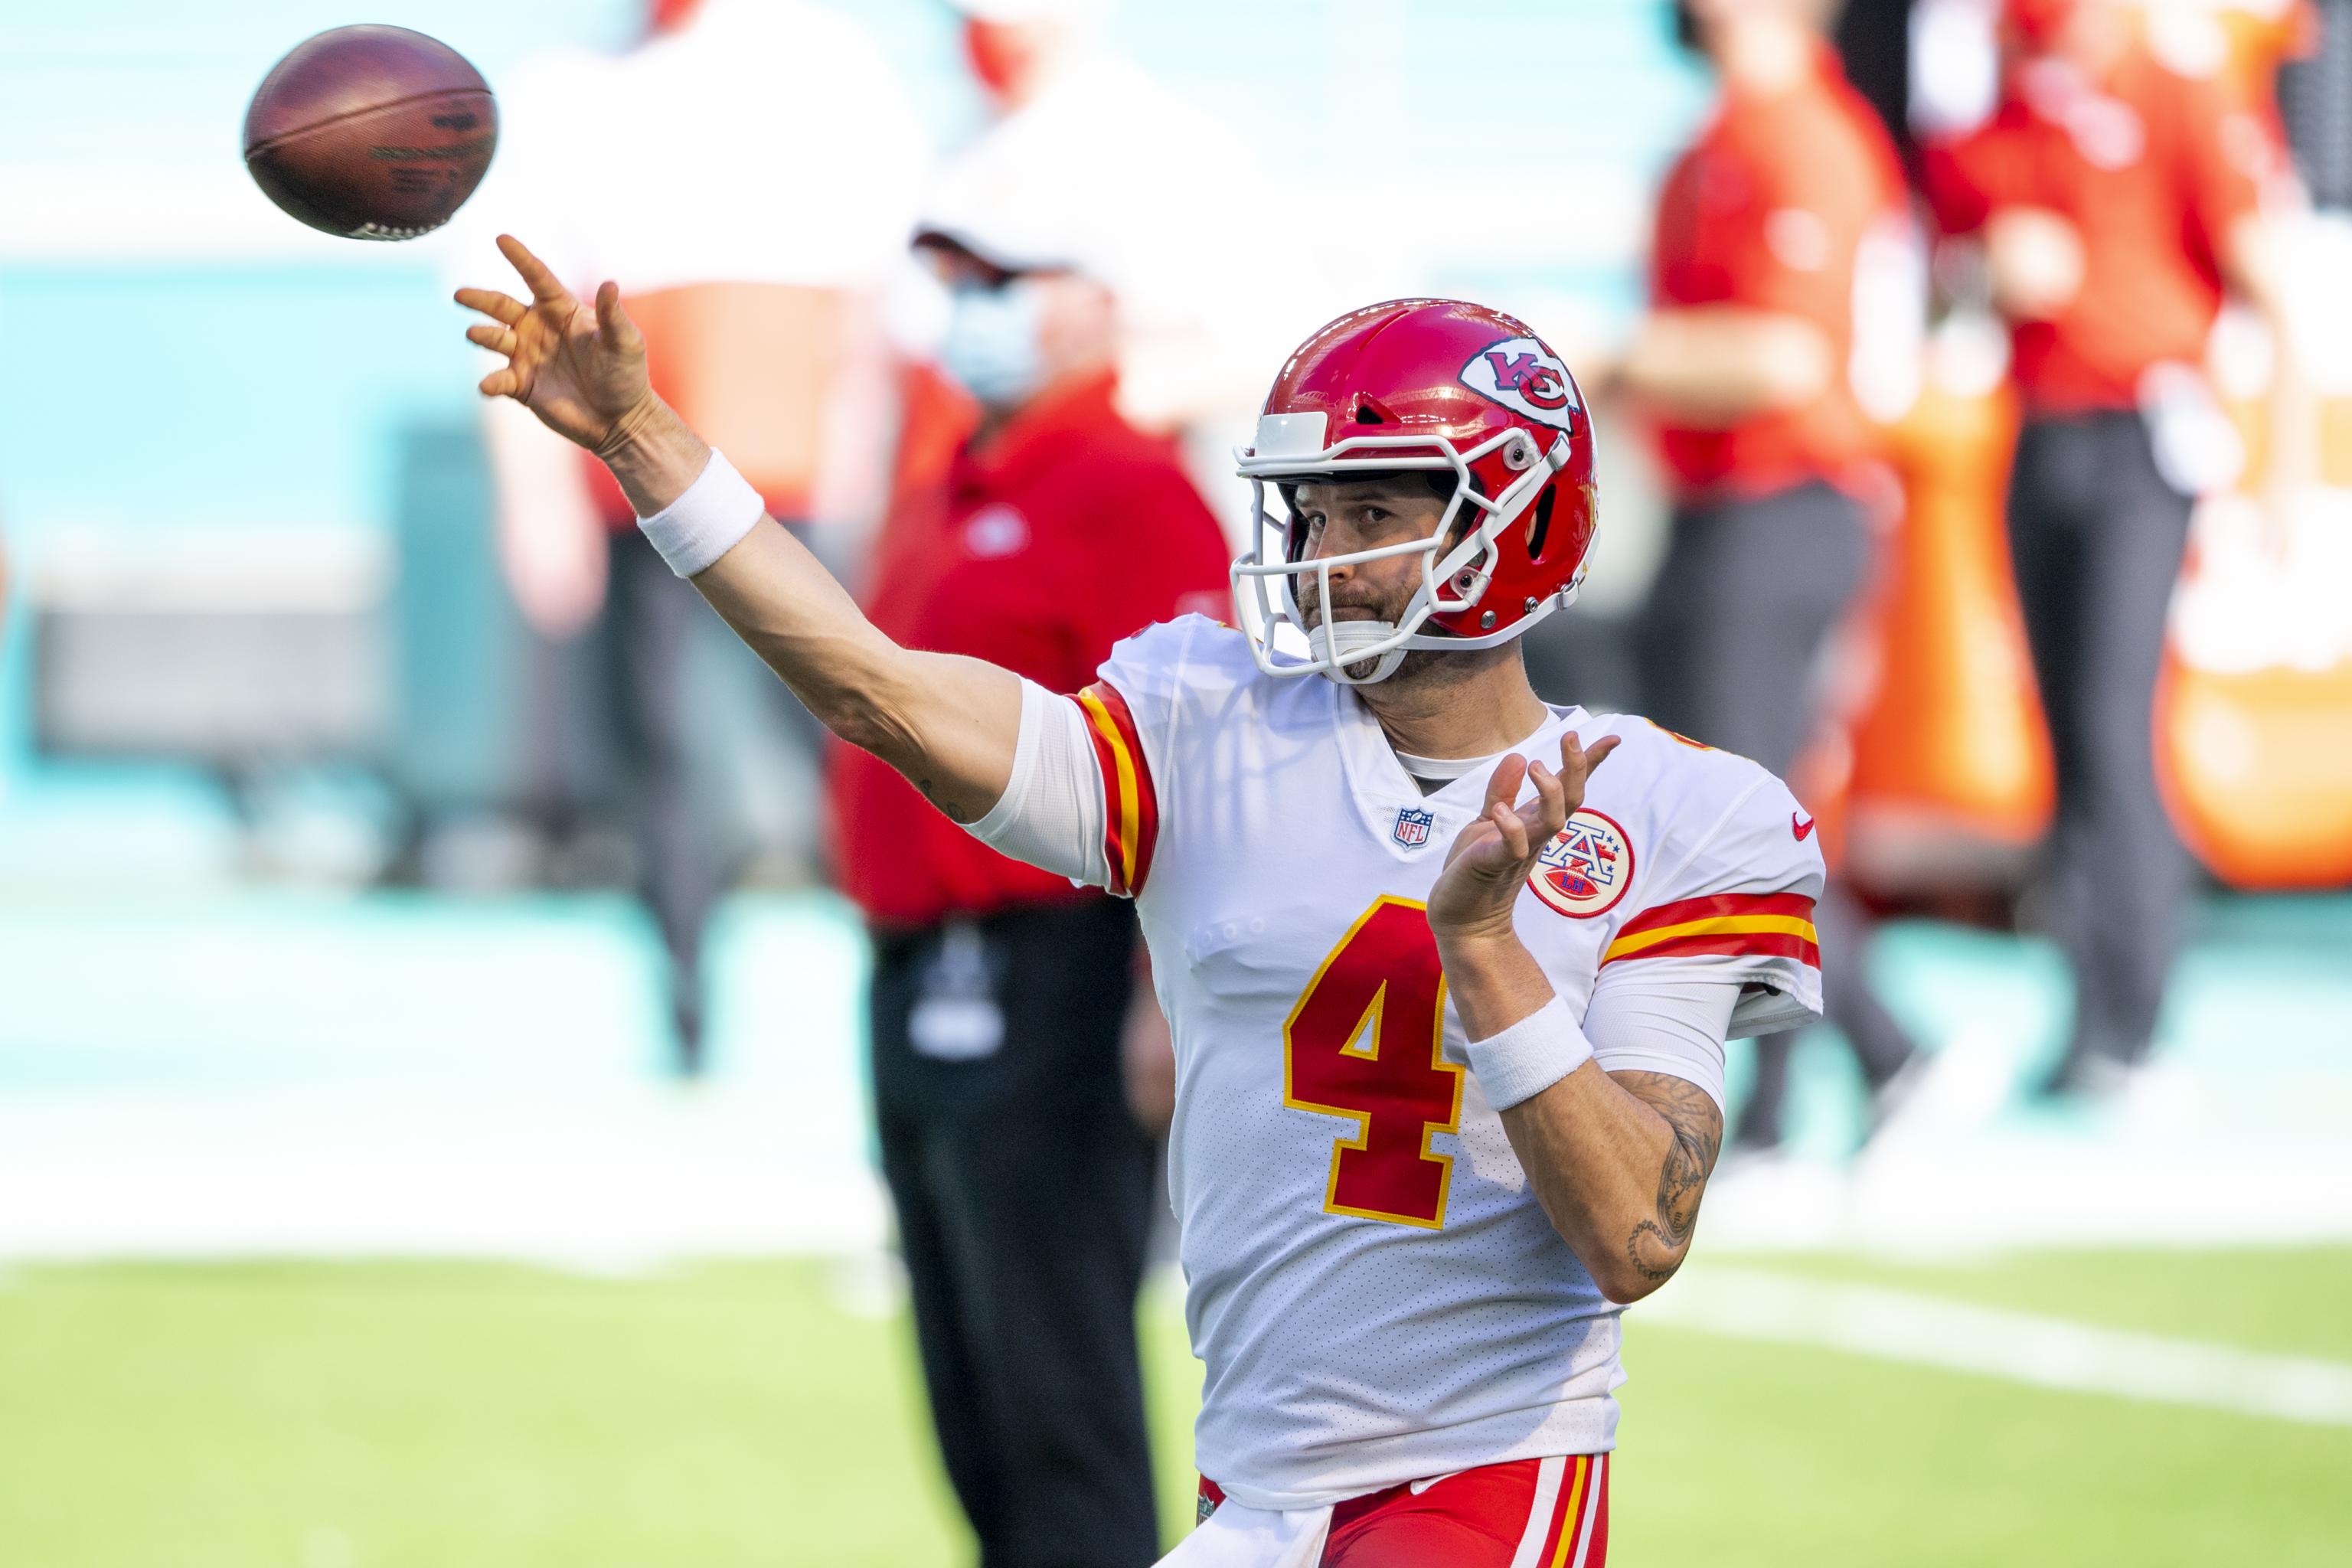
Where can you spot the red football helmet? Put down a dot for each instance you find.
(1433, 384)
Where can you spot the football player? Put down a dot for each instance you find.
(1449, 995)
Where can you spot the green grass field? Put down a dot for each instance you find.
(323, 1415)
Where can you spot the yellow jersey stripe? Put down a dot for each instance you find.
(1129, 825)
(1787, 925)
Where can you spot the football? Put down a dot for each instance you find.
(371, 133)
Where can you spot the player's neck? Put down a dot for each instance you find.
(1457, 704)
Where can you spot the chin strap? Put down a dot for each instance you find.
(1338, 637)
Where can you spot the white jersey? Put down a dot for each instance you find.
(1375, 1291)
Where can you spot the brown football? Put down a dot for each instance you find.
(371, 133)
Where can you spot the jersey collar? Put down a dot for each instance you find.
(1379, 788)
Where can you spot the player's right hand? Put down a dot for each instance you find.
(1493, 858)
(582, 370)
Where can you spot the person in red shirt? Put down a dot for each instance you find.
(1000, 995)
(1772, 230)
(2113, 202)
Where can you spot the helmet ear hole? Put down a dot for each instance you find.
(1539, 524)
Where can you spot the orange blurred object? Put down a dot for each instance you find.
(1951, 778)
(2256, 752)
(2258, 770)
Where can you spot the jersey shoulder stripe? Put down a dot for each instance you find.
(1778, 925)
(1131, 820)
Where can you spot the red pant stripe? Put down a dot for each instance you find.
(1567, 1509)
(1593, 1532)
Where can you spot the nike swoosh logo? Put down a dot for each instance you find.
(1804, 830)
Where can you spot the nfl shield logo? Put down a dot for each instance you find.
(1413, 825)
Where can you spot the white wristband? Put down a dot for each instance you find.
(705, 522)
(1530, 1056)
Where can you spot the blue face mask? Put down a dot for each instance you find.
(991, 343)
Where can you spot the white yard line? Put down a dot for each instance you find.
(610, 1177)
(2020, 1347)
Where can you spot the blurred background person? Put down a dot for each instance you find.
(1168, 201)
(1774, 231)
(756, 275)
(1001, 994)
(2113, 201)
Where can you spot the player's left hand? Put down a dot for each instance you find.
(1492, 858)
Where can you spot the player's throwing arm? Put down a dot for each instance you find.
(950, 724)
(1619, 1159)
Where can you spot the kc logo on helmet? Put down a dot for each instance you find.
(1523, 376)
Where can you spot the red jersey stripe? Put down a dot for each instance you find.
(1717, 904)
(1737, 943)
(1131, 804)
(1593, 1551)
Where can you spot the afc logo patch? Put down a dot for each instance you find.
(1586, 867)
(1413, 825)
(1523, 376)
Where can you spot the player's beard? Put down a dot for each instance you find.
(1374, 613)
(1419, 667)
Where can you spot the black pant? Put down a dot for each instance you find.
(1740, 613)
(2096, 536)
(684, 859)
(1025, 1192)
(632, 690)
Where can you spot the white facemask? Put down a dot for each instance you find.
(991, 342)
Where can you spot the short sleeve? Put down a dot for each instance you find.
(1131, 712)
(1739, 904)
(1130, 793)
(1051, 813)
(1670, 1017)
(1084, 800)
(1160, 696)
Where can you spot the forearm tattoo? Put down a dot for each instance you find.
(1656, 1246)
